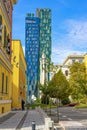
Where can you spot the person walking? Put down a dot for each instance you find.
(22, 104)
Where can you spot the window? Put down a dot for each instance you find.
(73, 61)
(2, 109)
(0, 28)
(2, 82)
(66, 72)
(8, 44)
(5, 37)
(80, 61)
(6, 84)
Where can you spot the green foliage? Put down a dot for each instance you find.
(77, 81)
(81, 106)
(33, 106)
(50, 67)
(38, 100)
(45, 99)
(44, 88)
(65, 101)
(59, 86)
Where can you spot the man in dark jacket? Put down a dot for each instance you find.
(22, 104)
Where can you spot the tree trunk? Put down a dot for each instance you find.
(50, 108)
(57, 111)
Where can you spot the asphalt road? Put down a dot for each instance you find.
(68, 114)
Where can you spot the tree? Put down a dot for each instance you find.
(45, 92)
(49, 67)
(77, 81)
(59, 86)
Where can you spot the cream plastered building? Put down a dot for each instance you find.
(70, 60)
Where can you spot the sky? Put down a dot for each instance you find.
(69, 25)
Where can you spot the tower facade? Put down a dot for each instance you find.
(37, 49)
(45, 43)
(32, 48)
(45, 32)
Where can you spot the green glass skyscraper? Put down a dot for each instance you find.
(45, 42)
(45, 32)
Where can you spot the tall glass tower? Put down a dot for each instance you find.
(45, 32)
(32, 47)
(37, 49)
(45, 42)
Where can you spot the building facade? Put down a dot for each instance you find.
(70, 60)
(5, 54)
(37, 46)
(19, 75)
(45, 42)
(45, 32)
(32, 48)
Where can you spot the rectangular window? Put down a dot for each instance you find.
(6, 84)
(80, 61)
(2, 82)
(73, 61)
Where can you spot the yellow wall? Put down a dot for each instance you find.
(5, 68)
(7, 108)
(4, 23)
(19, 78)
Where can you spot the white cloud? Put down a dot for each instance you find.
(60, 54)
(77, 31)
(73, 39)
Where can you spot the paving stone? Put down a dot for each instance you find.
(72, 125)
(12, 122)
(33, 116)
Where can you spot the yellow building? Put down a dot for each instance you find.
(19, 75)
(5, 55)
(85, 61)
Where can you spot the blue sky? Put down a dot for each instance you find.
(69, 25)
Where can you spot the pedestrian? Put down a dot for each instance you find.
(22, 104)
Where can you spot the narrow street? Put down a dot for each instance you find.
(68, 114)
(22, 120)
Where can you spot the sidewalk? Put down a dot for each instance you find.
(11, 122)
(19, 120)
(73, 125)
(33, 116)
(22, 120)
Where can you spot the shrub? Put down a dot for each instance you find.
(38, 101)
(45, 99)
(65, 101)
